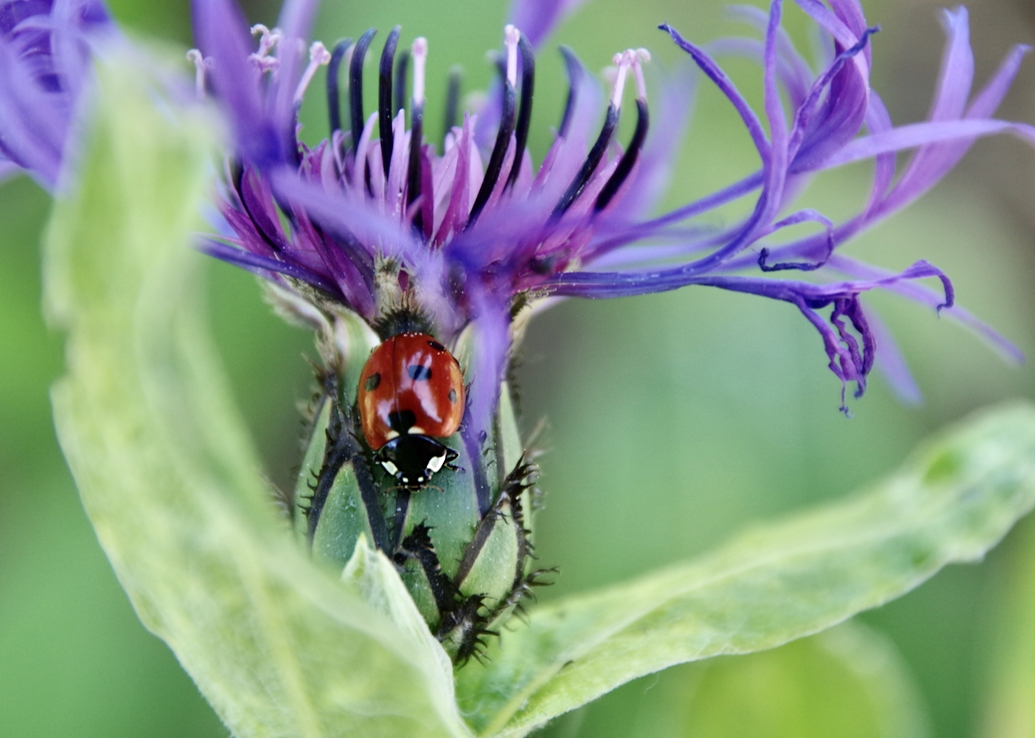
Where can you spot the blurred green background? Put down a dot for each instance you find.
(672, 420)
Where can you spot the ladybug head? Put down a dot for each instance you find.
(413, 458)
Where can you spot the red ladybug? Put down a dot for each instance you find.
(411, 392)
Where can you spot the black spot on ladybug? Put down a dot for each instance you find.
(402, 420)
(452, 396)
(372, 381)
(436, 345)
(418, 373)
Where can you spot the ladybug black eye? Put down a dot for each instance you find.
(436, 345)
(372, 382)
(418, 372)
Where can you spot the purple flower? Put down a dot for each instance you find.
(475, 234)
(45, 51)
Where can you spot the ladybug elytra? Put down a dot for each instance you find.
(411, 393)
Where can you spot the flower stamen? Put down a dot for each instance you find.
(356, 88)
(525, 111)
(420, 59)
(384, 107)
(511, 36)
(575, 73)
(268, 41)
(452, 100)
(402, 71)
(341, 49)
(632, 153)
(318, 57)
(624, 61)
(506, 129)
(200, 65)
(413, 173)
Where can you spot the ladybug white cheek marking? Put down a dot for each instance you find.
(391, 468)
(435, 463)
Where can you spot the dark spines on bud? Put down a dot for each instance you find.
(452, 100)
(524, 117)
(356, 87)
(384, 98)
(467, 625)
(621, 172)
(333, 85)
(575, 72)
(589, 166)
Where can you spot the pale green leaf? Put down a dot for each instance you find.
(847, 682)
(1009, 710)
(954, 500)
(166, 470)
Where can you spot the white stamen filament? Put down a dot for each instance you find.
(623, 60)
(511, 37)
(640, 57)
(420, 58)
(267, 39)
(200, 65)
(318, 56)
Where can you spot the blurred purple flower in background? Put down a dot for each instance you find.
(45, 52)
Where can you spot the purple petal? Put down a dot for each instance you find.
(879, 121)
(920, 134)
(262, 265)
(957, 71)
(925, 296)
(892, 364)
(347, 219)
(487, 368)
(537, 18)
(793, 69)
(295, 22)
(725, 85)
(221, 32)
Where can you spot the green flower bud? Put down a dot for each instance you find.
(467, 568)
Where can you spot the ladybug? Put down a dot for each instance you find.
(411, 393)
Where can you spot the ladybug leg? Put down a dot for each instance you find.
(451, 456)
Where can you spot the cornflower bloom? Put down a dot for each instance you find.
(463, 245)
(476, 234)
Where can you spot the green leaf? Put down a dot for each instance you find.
(847, 682)
(952, 502)
(1009, 710)
(166, 470)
